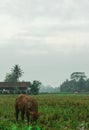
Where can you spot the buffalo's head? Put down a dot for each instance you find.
(35, 115)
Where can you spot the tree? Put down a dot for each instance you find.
(8, 78)
(68, 86)
(77, 76)
(81, 84)
(15, 74)
(87, 85)
(35, 86)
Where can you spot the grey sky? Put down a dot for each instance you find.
(49, 39)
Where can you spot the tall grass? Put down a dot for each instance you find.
(58, 112)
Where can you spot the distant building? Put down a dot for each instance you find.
(14, 87)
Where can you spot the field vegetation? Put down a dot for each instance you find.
(58, 112)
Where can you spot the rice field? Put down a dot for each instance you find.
(58, 112)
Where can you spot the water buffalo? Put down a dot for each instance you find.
(26, 105)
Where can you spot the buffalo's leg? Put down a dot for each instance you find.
(22, 115)
(17, 113)
(27, 115)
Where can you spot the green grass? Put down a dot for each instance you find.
(58, 112)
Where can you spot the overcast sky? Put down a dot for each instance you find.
(49, 39)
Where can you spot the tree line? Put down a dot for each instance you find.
(78, 82)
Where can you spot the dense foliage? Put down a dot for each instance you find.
(35, 86)
(58, 112)
(77, 83)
